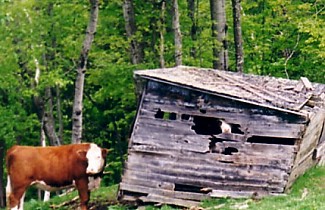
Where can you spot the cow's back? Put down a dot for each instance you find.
(57, 166)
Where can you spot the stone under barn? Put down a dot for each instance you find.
(202, 133)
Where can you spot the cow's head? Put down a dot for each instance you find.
(96, 159)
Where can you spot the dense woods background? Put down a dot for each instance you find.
(41, 44)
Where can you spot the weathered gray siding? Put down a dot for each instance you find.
(178, 155)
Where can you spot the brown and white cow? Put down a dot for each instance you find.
(52, 168)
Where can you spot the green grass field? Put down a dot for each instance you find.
(308, 193)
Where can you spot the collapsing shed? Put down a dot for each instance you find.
(182, 150)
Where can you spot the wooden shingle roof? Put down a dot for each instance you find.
(295, 96)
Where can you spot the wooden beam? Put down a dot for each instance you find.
(306, 83)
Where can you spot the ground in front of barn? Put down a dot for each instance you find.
(308, 193)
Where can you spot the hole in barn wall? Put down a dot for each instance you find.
(229, 151)
(135, 194)
(226, 161)
(212, 126)
(165, 115)
(185, 117)
(235, 128)
(188, 188)
(203, 111)
(159, 114)
(270, 140)
(206, 125)
(172, 116)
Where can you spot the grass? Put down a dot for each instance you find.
(308, 193)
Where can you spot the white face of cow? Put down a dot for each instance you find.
(95, 159)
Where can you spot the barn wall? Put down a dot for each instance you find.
(178, 154)
(308, 154)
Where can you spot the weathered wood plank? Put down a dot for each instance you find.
(231, 137)
(300, 169)
(166, 143)
(250, 126)
(311, 137)
(206, 161)
(262, 150)
(235, 194)
(194, 139)
(306, 83)
(204, 182)
(161, 126)
(166, 200)
(158, 191)
(215, 158)
(143, 120)
(163, 140)
(232, 115)
(257, 128)
(174, 167)
(211, 100)
(150, 183)
(187, 169)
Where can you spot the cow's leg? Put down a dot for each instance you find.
(21, 204)
(47, 196)
(16, 194)
(84, 193)
(8, 190)
(16, 198)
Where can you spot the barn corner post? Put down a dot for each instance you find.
(81, 71)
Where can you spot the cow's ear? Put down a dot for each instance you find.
(82, 153)
(104, 152)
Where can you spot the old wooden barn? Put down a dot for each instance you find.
(179, 155)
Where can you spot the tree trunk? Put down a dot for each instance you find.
(59, 112)
(45, 111)
(238, 39)
(2, 190)
(192, 8)
(49, 123)
(162, 31)
(177, 34)
(81, 70)
(219, 31)
(130, 28)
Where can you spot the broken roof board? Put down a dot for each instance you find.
(274, 93)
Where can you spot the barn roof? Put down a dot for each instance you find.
(295, 96)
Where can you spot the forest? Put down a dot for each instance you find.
(46, 46)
